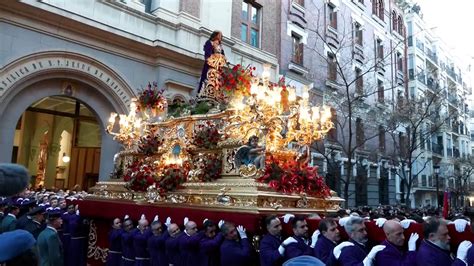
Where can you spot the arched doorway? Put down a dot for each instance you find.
(32, 78)
(58, 138)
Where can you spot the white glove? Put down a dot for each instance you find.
(287, 217)
(369, 260)
(241, 231)
(406, 223)
(412, 241)
(460, 225)
(204, 221)
(462, 250)
(186, 220)
(314, 238)
(338, 249)
(281, 250)
(344, 220)
(288, 241)
(380, 222)
(221, 222)
(77, 212)
(156, 219)
(168, 221)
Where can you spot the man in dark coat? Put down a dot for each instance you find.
(49, 245)
(355, 251)
(302, 245)
(393, 254)
(156, 244)
(234, 251)
(434, 249)
(35, 225)
(26, 205)
(209, 246)
(272, 249)
(328, 239)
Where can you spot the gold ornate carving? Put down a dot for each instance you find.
(94, 251)
(247, 171)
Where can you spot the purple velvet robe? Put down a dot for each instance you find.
(395, 256)
(298, 249)
(140, 247)
(470, 256)
(209, 253)
(128, 253)
(208, 51)
(235, 253)
(78, 245)
(323, 248)
(353, 255)
(114, 256)
(172, 250)
(157, 249)
(189, 248)
(269, 255)
(431, 255)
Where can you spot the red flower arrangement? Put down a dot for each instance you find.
(289, 176)
(211, 166)
(149, 144)
(173, 176)
(237, 80)
(206, 135)
(151, 97)
(139, 175)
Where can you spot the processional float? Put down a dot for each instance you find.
(228, 150)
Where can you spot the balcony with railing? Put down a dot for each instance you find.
(449, 152)
(432, 83)
(451, 73)
(453, 99)
(432, 56)
(420, 45)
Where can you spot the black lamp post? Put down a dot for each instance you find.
(436, 171)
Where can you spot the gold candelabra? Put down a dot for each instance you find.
(130, 126)
(279, 115)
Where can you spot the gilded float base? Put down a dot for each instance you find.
(230, 194)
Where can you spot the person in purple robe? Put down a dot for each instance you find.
(156, 244)
(128, 253)
(212, 46)
(302, 246)
(189, 244)
(65, 232)
(355, 252)
(209, 245)
(79, 229)
(140, 243)
(393, 254)
(114, 255)
(328, 239)
(172, 245)
(235, 251)
(272, 249)
(435, 248)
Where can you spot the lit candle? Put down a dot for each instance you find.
(112, 118)
(292, 94)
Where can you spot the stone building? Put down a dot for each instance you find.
(66, 65)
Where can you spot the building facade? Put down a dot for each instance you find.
(352, 56)
(443, 158)
(66, 65)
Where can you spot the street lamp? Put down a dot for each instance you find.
(436, 170)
